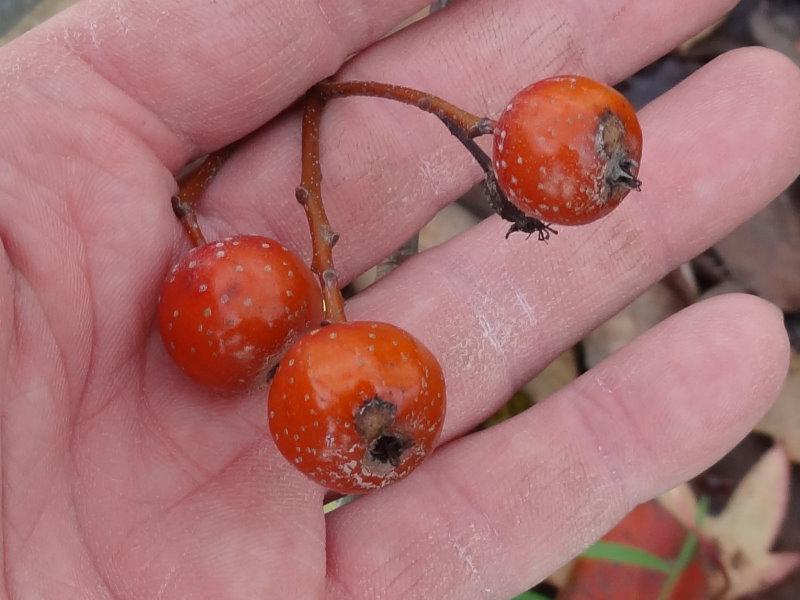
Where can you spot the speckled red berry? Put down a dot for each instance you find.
(357, 405)
(229, 309)
(567, 150)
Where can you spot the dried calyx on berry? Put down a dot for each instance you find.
(386, 443)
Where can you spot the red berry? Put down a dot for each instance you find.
(567, 150)
(357, 405)
(229, 309)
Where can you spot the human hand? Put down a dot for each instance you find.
(121, 478)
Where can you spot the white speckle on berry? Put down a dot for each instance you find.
(203, 287)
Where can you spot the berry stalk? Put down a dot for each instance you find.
(464, 126)
(309, 195)
(191, 188)
(472, 125)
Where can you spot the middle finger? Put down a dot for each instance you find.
(389, 168)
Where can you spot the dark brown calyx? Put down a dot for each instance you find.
(507, 211)
(621, 170)
(374, 421)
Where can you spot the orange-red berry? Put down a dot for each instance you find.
(229, 309)
(357, 405)
(567, 150)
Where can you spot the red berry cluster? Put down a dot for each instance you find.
(357, 405)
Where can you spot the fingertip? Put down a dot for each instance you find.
(772, 81)
(757, 338)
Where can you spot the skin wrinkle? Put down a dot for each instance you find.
(607, 407)
(145, 128)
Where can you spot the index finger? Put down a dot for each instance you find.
(208, 71)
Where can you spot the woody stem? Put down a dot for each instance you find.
(309, 195)
(463, 125)
(191, 188)
(472, 125)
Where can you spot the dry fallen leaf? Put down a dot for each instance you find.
(562, 371)
(650, 528)
(763, 254)
(418, 16)
(746, 530)
(449, 222)
(653, 306)
(782, 422)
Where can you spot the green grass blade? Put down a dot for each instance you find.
(627, 555)
(531, 596)
(686, 553)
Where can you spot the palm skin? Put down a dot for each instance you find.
(123, 479)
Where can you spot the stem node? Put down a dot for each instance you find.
(301, 193)
(309, 194)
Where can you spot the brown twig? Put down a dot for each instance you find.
(473, 125)
(191, 187)
(463, 125)
(309, 195)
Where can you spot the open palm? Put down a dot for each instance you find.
(123, 479)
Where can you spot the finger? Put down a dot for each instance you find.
(206, 72)
(496, 312)
(491, 514)
(388, 168)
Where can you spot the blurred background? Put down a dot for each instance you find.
(734, 531)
